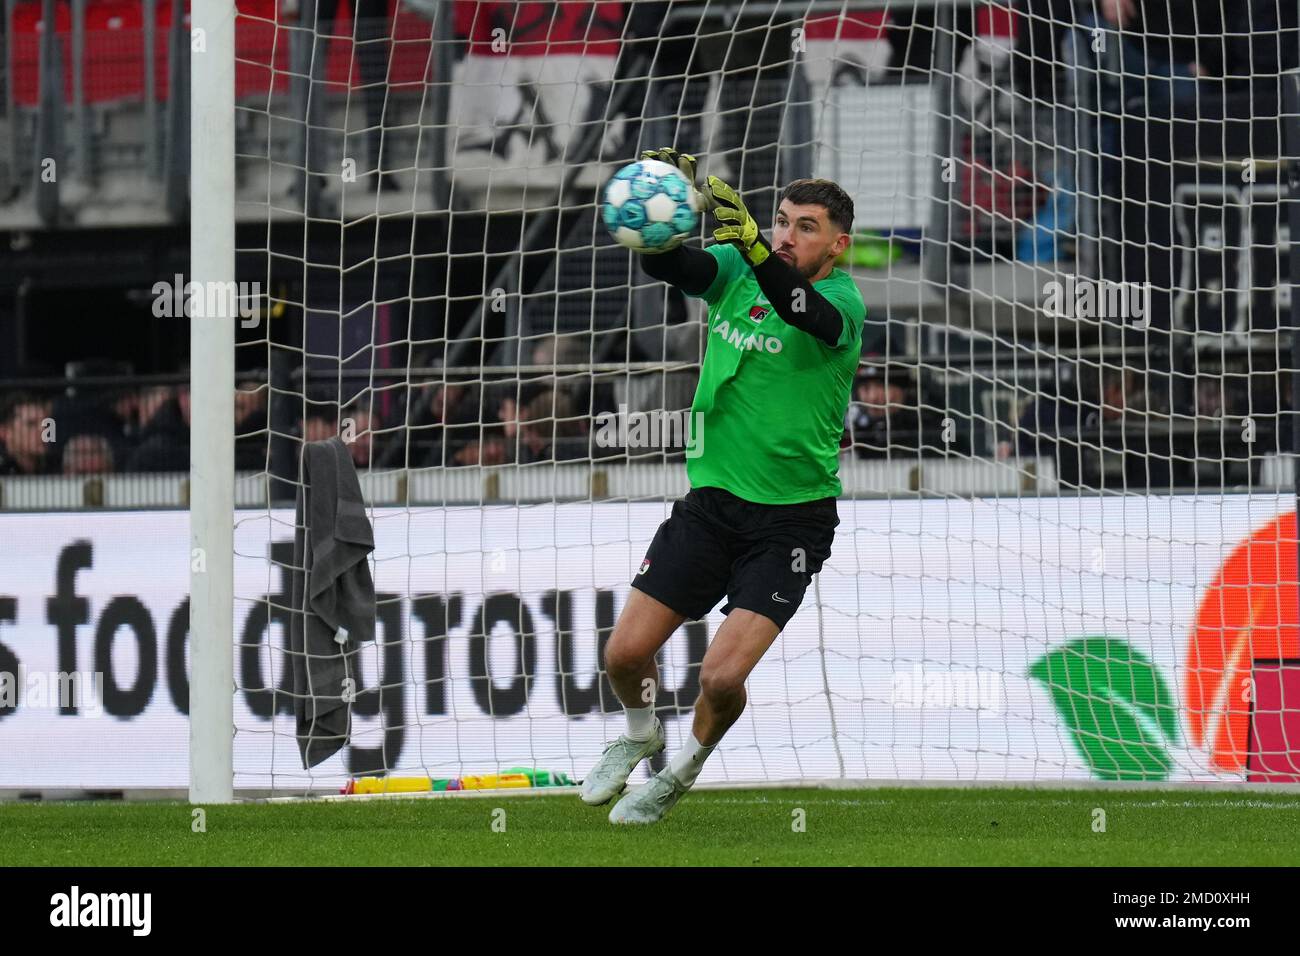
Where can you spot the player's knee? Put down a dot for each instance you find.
(722, 685)
(622, 659)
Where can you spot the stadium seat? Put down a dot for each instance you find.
(115, 54)
(996, 21)
(261, 51)
(27, 28)
(412, 47)
(163, 23)
(114, 67)
(855, 25)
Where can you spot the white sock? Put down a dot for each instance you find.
(640, 722)
(689, 761)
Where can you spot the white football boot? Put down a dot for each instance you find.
(649, 802)
(608, 778)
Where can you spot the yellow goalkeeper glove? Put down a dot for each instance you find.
(737, 227)
(683, 161)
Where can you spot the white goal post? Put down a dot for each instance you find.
(212, 371)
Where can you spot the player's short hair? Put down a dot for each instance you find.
(822, 192)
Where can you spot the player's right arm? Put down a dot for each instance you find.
(691, 270)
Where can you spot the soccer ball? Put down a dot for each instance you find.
(650, 205)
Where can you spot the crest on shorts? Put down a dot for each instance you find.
(645, 566)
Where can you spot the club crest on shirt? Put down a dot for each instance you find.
(645, 566)
(758, 313)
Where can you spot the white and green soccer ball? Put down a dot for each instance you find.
(650, 206)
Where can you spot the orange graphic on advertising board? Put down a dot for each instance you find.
(1247, 630)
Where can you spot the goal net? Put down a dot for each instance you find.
(1067, 548)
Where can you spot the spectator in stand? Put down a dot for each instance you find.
(524, 408)
(1217, 454)
(358, 432)
(250, 426)
(1044, 419)
(1162, 47)
(80, 410)
(886, 419)
(356, 427)
(1099, 434)
(165, 437)
(548, 351)
(88, 454)
(318, 425)
(548, 428)
(443, 421)
(137, 409)
(23, 450)
(491, 448)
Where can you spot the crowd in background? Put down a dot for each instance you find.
(1096, 427)
(127, 429)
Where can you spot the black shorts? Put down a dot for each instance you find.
(760, 557)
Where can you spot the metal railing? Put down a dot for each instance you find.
(58, 133)
(48, 151)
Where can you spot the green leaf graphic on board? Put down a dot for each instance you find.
(1118, 708)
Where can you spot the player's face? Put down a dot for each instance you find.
(804, 238)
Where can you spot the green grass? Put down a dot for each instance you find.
(737, 827)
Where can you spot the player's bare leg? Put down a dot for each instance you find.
(643, 627)
(737, 647)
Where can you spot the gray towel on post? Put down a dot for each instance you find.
(333, 597)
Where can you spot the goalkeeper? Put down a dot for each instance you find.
(785, 332)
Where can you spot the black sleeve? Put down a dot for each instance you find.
(691, 270)
(818, 317)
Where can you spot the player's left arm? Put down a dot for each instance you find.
(799, 304)
(792, 296)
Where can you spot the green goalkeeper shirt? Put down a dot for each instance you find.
(769, 409)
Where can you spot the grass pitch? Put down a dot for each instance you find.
(730, 827)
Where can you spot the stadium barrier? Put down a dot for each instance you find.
(990, 640)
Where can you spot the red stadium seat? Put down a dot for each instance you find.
(115, 57)
(162, 25)
(412, 48)
(338, 56)
(114, 65)
(27, 29)
(996, 20)
(261, 51)
(542, 29)
(853, 25)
